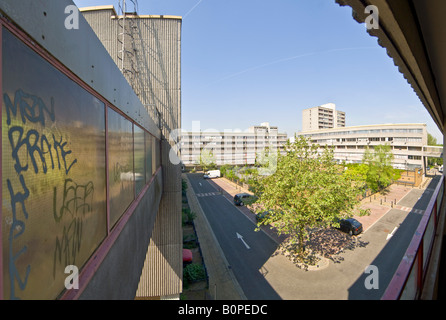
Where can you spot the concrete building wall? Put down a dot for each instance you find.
(151, 62)
(322, 117)
(152, 58)
(114, 268)
(111, 280)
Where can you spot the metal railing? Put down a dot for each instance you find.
(408, 280)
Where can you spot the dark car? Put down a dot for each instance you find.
(350, 226)
(262, 215)
(241, 198)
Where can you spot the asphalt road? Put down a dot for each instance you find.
(245, 249)
(389, 238)
(383, 245)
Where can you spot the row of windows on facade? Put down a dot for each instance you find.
(396, 148)
(382, 139)
(226, 138)
(218, 143)
(360, 155)
(372, 131)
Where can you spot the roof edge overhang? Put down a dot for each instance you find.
(96, 8)
(129, 15)
(399, 33)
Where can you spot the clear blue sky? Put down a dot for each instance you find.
(250, 61)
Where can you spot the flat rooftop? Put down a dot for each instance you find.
(131, 14)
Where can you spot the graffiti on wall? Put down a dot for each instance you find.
(34, 151)
(53, 138)
(54, 201)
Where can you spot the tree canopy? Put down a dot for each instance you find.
(307, 190)
(380, 172)
(207, 159)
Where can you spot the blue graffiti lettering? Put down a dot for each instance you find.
(31, 108)
(17, 228)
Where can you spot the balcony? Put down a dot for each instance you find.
(417, 274)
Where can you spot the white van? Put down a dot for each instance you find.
(212, 174)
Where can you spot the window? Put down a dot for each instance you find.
(120, 165)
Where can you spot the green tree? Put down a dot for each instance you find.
(431, 140)
(357, 172)
(266, 161)
(307, 190)
(380, 172)
(207, 159)
(224, 169)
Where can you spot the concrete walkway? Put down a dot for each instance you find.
(380, 204)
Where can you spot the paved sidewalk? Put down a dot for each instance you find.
(380, 204)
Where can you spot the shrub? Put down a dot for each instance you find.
(194, 272)
(188, 215)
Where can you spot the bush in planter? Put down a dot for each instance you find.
(183, 186)
(194, 272)
(188, 216)
(190, 241)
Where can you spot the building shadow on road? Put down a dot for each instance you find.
(389, 258)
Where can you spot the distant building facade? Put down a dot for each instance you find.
(408, 142)
(229, 147)
(322, 117)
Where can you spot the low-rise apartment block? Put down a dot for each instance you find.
(408, 142)
(231, 147)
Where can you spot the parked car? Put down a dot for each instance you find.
(187, 256)
(241, 198)
(350, 226)
(261, 215)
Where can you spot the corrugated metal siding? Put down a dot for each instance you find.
(158, 53)
(162, 272)
(155, 62)
(156, 59)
